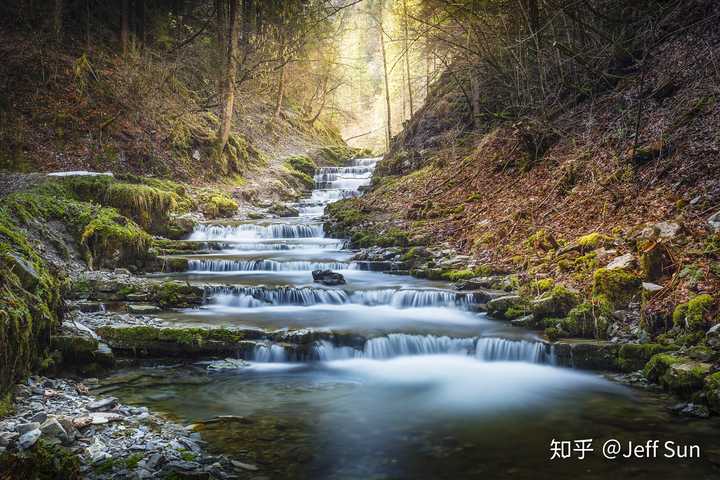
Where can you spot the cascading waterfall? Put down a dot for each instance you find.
(250, 232)
(264, 266)
(400, 344)
(307, 296)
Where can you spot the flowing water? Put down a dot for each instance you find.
(423, 388)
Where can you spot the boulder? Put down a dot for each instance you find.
(685, 377)
(712, 391)
(590, 355)
(24, 270)
(102, 404)
(328, 277)
(53, 429)
(634, 356)
(712, 337)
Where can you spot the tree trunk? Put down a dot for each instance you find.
(140, 22)
(247, 21)
(388, 129)
(228, 101)
(58, 20)
(125, 26)
(407, 58)
(280, 89)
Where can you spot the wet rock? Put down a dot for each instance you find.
(328, 277)
(28, 439)
(692, 410)
(143, 309)
(590, 355)
(634, 356)
(102, 404)
(7, 438)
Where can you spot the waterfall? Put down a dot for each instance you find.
(400, 344)
(307, 296)
(302, 296)
(264, 266)
(249, 232)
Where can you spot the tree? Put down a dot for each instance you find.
(227, 105)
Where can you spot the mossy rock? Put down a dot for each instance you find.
(634, 356)
(216, 204)
(685, 377)
(712, 391)
(695, 315)
(507, 307)
(588, 355)
(302, 163)
(558, 302)
(154, 341)
(659, 364)
(177, 294)
(75, 349)
(618, 286)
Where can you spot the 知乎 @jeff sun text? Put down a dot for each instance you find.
(613, 449)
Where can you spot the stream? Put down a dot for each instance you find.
(437, 391)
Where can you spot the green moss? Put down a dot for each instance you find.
(542, 285)
(697, 309)
(456, 275)
(685, 377)
(182, 336)
(177, 294)
(43, 462)
(658, 365)
(712, 391)
(7, 406)
(552, 333)
(217, 204)
(633, 357)
(592, 241)
(110, 239)
(554, 303)
(618, 286)
(302, 163)
(132, 461)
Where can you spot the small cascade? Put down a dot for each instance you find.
(400, 344)
(301, 296)
(251, 232)
(307, 296)
(264, 266)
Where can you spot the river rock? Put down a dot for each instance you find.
(28, 439)
(103, 404)
(712, 337)
(328, 277)
(693, 410)
(53, 429)
(27, 427)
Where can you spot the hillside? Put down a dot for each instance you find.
(516, 196)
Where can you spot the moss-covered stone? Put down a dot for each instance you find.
(590, 355)
(685, 377)
(592, 241)
(695, 314)
(217, 204)
(302, 163)
(177, 294)
(634, 356)
(154, 341)
(618, 286)
(712, 391)
(558, 302)
(658, 365)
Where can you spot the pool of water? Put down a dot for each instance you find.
(421, 417)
